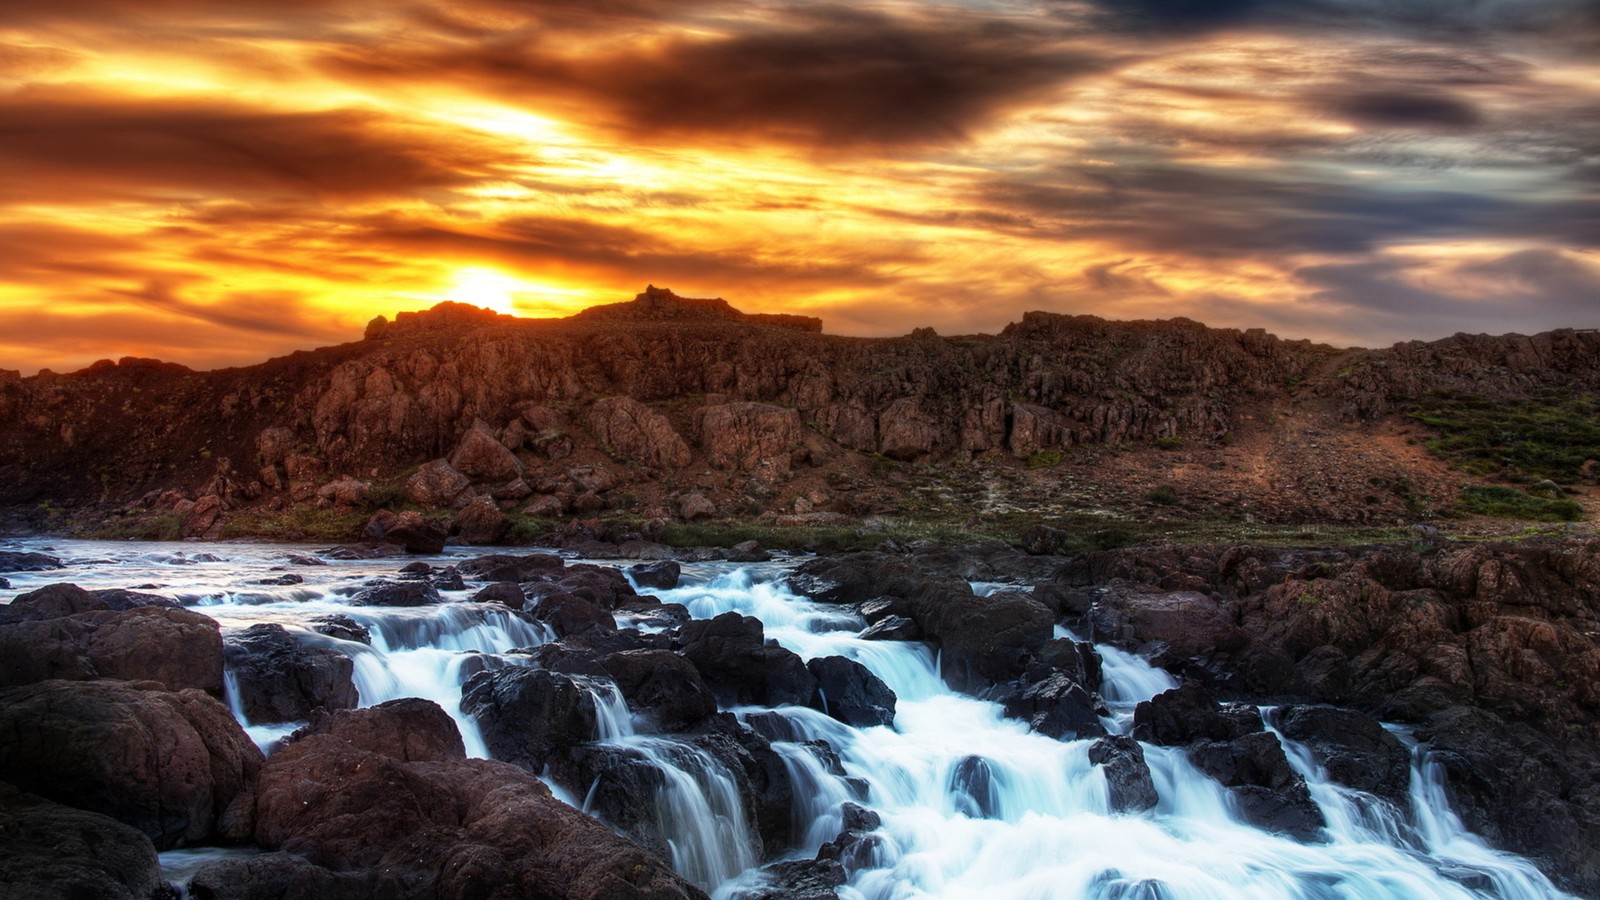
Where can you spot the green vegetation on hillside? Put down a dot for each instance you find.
(1551, 436)
(1510, 503)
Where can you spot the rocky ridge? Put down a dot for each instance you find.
(672, 407)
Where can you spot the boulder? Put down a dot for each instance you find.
(274, 876)
(398, 593)
(661, 575)
(340, 626)
(546, 506)
(854, 578)
(1058, 706)
(849, 692)
(54, 851)
(527, 715)
(481, 455)
(40, 638)
(800, 879)
(694, 506)
(983, 640)
(426, 823)
(481, 522)
(176, 766)
(1355, 749)
(972, 789)
(632, 432)
(204, 519)
(283, 676)
(1271, 795)
(740, 668)
(1189, 713)
(507, 567)
(505, 593)
(748, 552)
(1129, 787)
(905, 431)
(436, 483)
(344, 492)
(27, 561)
(1042, 540)
(892, 628)
(748, 436)
(407, 529)
(566, 613)
(662, 685)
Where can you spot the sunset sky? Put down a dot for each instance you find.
(215, 182)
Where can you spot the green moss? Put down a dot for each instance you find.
(1549, 436)
(302, 522)
(1045, 459)
(1510, 503)
(1169, 443)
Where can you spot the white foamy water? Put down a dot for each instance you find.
(973, 804)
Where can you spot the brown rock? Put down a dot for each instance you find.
(545, 506)
(436, 483)
(905, 431)
(481, 455)
(481, 522)
(176, 647)
(204, 520)
(694, 506)
(344, 492)
(747, 436)
(439, 825)
(633, 432)
(173, 765)
(55, 851)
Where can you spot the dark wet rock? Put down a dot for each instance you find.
(1041, 540)
(773, 726)
(603, 586)
(849, 692)
(748, 552)
(972, 788)
(620, 786)
(661, 575)
(1509, 784)
(854, 578)
(55, 851)
(409, 729)
(892, 628)
(176, 766)
(402, 593)
(284, 580)
(567, 614)
(341, 626)
(1078, 660)
(448, 579)
(1128, 783)
(800, 879)
(527, 715)
(1355, 749)
(62, 631)
(283, 676)
(1270, 793)
(662, 685)
(505, 593)
(275, 876)
(656, 615)
(5, 584)
(983, 640)
(27, 561)
(431, 824)
(1058, 706)
(1189, 713)
(879, 608)
(740, 668)
(513, 568)
(301, 559)
(481, 522)
(119, 599)
(362, 551)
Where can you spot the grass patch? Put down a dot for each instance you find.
(1551, 436)
(164, 526)
(301, 522)
(1169, 443)
(1510, 503)
(1045, 459)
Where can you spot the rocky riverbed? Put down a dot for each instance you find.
(246, 720)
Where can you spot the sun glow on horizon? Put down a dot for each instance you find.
(511, 295)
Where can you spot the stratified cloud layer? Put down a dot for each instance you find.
(217, 181)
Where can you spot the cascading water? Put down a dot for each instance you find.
(973, 805)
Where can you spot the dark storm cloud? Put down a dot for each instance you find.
(1530, 290)
(1407, 109)
(1170, 209)
(95, 148)
(631, 255)
(825, 77)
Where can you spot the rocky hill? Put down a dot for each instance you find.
(669, 407)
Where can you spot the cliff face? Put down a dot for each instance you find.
(662, 389)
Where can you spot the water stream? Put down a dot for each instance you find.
(973, 805)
